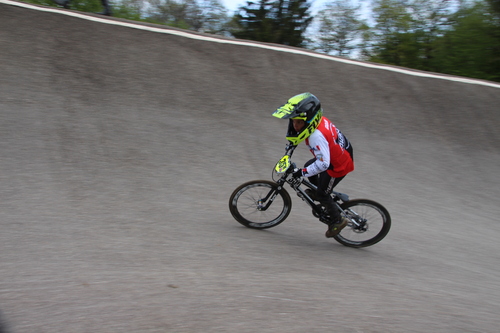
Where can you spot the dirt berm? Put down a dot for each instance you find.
(120, 147)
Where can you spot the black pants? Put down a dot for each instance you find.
(326, 184)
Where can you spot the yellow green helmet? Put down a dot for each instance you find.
(304, 106)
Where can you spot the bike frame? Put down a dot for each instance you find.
(295, 184)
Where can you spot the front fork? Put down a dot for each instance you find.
(264, 203)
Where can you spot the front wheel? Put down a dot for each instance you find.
(369, 223)
(260, 204)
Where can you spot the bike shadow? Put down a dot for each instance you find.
(296, 238)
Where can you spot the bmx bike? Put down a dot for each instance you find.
(263, 204)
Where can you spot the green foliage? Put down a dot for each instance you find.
(405, 31)
(199, 15)
(48, 3)
(428, 35)
(472, 45)
(128, 9)
(254, 21)
(280, 21)
(495, 7)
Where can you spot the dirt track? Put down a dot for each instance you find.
(119, 150)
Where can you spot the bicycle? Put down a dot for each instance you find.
(263, 204)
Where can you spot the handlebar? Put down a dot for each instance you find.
(291, 168)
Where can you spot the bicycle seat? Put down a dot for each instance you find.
(342, 196)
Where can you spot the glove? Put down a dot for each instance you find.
(297, 173)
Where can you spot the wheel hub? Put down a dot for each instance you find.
(362, 227)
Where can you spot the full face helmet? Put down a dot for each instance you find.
(304, 106)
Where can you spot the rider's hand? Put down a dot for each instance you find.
(297, 173)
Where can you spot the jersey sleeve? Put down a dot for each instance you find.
(319, 147)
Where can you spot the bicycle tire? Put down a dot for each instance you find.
(375, 223)
(246, 206)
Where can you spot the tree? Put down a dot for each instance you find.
(254, 21)
(406, 31)
(214, 17)
(495, 7)
(471, 47)
(339, 27)
(432, 35)
(291, 21)
(199, 15)
(280, 21)
(390, 42)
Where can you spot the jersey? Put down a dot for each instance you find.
(329, 147)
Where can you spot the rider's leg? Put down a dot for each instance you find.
(325, 184)
(325, 187)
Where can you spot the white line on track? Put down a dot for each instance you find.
(277, 48)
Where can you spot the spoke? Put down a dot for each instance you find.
(366, 223)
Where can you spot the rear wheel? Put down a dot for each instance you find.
(260, 204)
(369, 223)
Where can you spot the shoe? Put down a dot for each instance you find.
(335, 228)
(311, 194)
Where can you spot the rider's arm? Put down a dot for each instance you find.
(320, 149)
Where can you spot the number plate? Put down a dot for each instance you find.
(283, 164)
